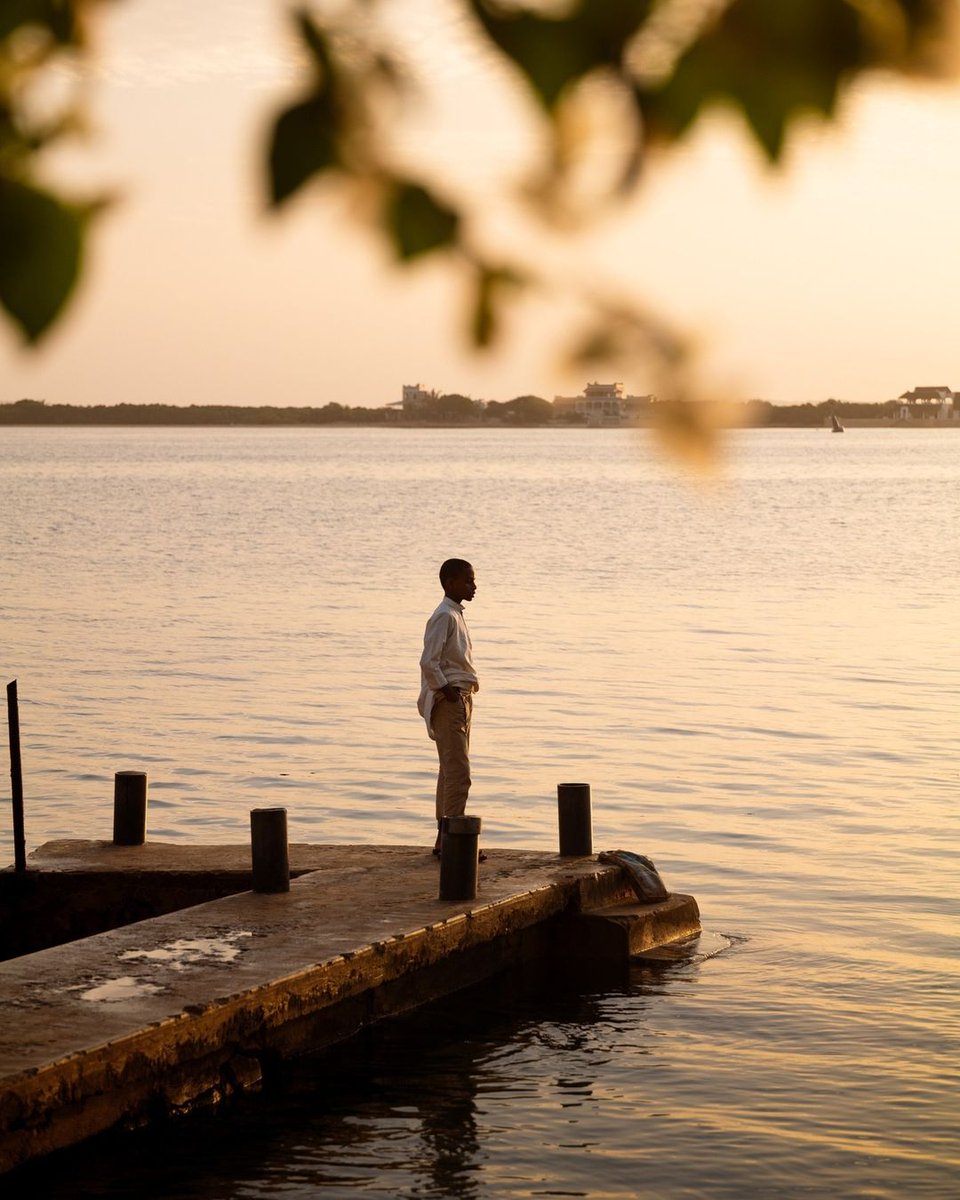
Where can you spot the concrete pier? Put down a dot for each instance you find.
(177, 1011)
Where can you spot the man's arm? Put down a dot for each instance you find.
(434, 639)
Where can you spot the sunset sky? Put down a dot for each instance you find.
(837, 277)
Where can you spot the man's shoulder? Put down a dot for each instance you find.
(443, 612)
(446, 607)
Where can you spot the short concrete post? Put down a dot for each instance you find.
(268, 843)
(576, 824)
(459, 855)
(129, 808)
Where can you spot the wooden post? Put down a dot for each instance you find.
(16, 778)
(576, 825)
(268, 844)
(129, 808)
(459, 856)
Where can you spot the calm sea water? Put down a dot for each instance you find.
(759, 678)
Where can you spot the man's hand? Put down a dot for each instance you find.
(450, 693)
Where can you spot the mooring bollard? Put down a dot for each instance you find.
(459, 855)
(576, 823)
(268, 844)
(129, 808)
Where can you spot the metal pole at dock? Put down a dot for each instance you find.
(269, 850)
(129, 808)
(16, 778)
(459, 855)
(575, 819)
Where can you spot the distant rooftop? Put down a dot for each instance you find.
(928, 393)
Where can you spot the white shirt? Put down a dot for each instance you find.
(447, 657)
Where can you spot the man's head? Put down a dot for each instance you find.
(458, 580)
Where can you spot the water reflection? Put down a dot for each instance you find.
(405, 1104)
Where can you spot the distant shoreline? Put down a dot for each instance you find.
(756, 415)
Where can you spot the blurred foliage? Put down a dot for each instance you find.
(41, 240)
(665, 61)
(41, 233)
(669, 60)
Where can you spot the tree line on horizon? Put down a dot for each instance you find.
(446, 409)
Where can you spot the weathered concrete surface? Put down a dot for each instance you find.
(74, 889)
(185, 1007)
(69, 855)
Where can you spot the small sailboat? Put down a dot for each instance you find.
(835, 426)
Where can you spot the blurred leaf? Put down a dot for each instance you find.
(42, 242)
(909, 35)
(57, 16)
(692, 430)
(388, 70)
(418, 223)
(594, 347)
(304, 140)
(621, 334)
(483, 327)
(302, 145)
(492, 283)
(315, 41)
(553, 51)
(772, 60)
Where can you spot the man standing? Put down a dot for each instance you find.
(447, 683)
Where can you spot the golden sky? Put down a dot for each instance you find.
(835, 277)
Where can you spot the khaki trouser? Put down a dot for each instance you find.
(451, 726)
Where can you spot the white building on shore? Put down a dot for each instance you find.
(929, 404)
(415, 396)
(603, 404)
